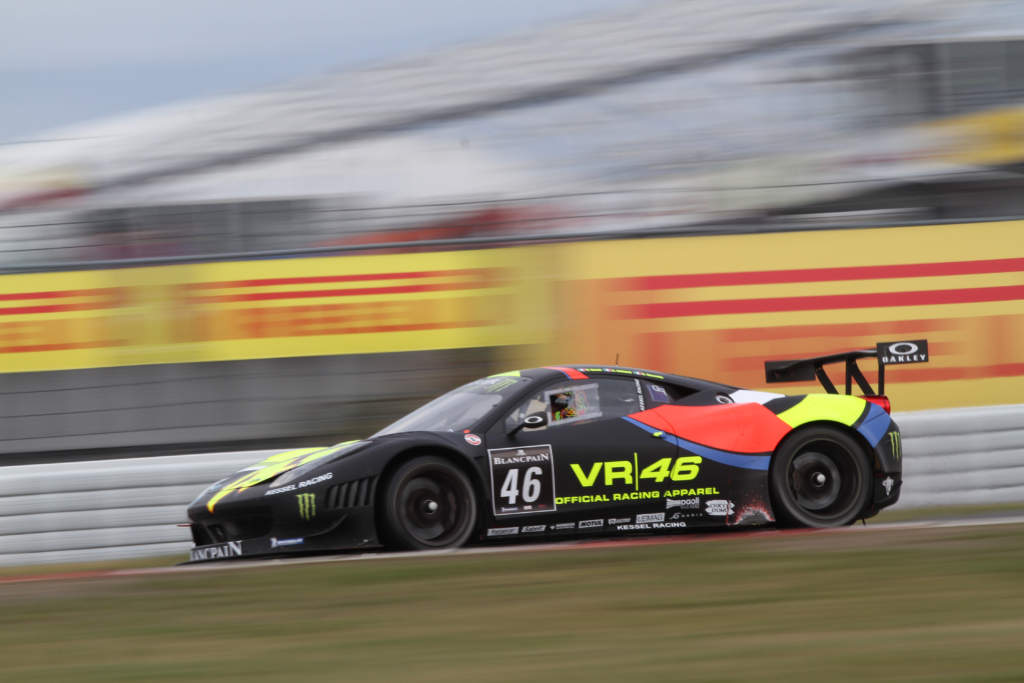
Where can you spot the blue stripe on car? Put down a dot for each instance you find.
(875, 425)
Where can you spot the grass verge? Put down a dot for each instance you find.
(898, 605)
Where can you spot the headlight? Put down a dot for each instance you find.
(302, 470)
(211, 489)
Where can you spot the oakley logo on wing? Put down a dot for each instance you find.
(896, 353)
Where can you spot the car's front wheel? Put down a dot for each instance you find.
(429, 503)
(820, 477)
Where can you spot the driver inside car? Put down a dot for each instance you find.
(562, 406)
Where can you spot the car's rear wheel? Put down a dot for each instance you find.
(820, 477)
(428, 503)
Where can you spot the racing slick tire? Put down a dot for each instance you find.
(820, 477)
(429, 503)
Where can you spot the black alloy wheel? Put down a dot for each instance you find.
(429, 503)
(820, 477)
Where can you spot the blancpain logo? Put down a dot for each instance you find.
(517, 458)
(219, 551)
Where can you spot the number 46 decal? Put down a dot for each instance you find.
(522, 480)
(531, 485)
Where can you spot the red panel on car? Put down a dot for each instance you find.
(737, 427)
(571, 373)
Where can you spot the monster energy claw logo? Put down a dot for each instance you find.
(894, 445)
(307, 505)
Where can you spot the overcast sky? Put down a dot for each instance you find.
(66, 61)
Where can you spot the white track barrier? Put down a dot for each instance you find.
(963, 456)
(116, 509)
(105, 509)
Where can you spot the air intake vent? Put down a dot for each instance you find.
(351, 494)
(239, 529)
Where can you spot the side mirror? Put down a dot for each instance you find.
(531, 421)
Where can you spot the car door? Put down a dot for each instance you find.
(731, 442)
(587, 458)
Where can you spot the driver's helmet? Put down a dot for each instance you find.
(561, 406)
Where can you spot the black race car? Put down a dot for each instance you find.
(575, 450)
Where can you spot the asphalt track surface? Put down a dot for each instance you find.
(555, 546)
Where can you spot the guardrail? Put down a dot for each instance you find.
(963, 456)
(107, 509)
(116, 509)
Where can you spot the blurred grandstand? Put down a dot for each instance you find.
(669, 115)
(669, 118)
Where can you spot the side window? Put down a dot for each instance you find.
(574, 403)
(657, 394)
(578, 402)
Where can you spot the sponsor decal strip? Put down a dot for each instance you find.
(649, 517)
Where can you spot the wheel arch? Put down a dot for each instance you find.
(794, 433)
(450, 454)
(840, 411)
(869, 450)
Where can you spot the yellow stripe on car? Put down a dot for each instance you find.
(831, 407)
(273, 466)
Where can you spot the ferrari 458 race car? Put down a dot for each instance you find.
(577, 450)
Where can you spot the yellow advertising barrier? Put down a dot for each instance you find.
(260, 309)
(991, 137)
(713, 307)
(719, 306)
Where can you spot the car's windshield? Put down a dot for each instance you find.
(458, 409)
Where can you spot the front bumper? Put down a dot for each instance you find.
(351, 530)
(264, 521)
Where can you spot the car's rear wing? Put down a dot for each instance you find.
(887, 353)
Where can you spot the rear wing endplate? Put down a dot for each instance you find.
(887, 353)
